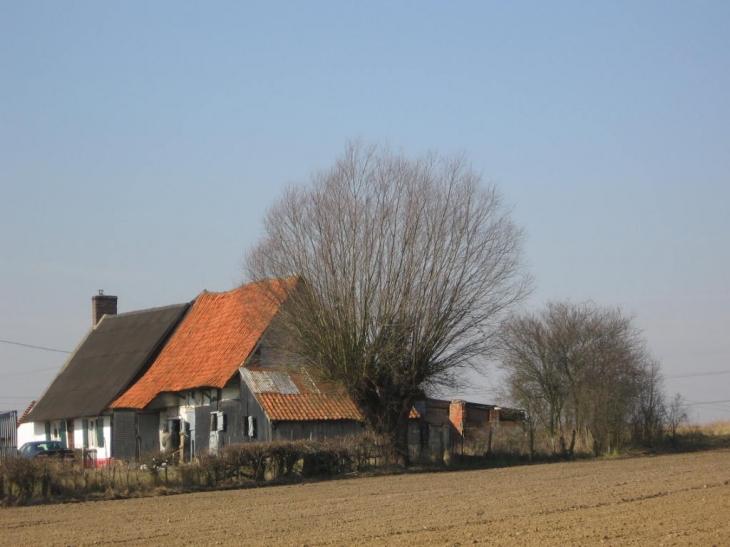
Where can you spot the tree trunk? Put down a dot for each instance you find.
(571, 450)
(388, 416)
(401, 440)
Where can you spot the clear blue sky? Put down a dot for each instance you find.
(141, 143)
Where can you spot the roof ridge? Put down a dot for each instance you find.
(287, 279)
(147, 310)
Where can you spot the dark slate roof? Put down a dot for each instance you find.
(112, 355)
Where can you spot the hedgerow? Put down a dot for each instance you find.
(24, 481)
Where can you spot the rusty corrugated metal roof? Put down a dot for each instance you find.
(269, 381)
(293, 394)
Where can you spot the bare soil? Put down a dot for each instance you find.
(649, 501)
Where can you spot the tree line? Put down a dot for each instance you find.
(585, 376)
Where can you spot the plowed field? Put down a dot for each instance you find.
(648, 501)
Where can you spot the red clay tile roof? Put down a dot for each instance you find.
(288, 394)
(307, 407)
(27, 411)
(212, 341)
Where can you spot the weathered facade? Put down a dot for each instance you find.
(8, 433)
(438, 426)
(191, 399)
(288, 404)
(195, 421)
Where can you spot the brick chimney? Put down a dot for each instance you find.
(101, 305)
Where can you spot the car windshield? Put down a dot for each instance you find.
(31, 448)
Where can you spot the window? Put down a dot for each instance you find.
(100, 432)
(85, 432)
(62, 432)
(92, 433)
(218, 421)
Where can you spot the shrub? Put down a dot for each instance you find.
(283, 457)
(23, 476)
(247, 460)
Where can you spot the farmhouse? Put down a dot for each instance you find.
(165, 374)
(189, 399)
(191, 378)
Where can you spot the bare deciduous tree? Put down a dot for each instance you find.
(649, 409)
(408, 265)
(578, 369)
(677, 415)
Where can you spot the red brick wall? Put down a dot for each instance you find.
(457, 415)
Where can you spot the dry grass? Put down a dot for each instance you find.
(703, 436)
(718, 428)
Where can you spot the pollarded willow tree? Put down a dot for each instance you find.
(407, 267)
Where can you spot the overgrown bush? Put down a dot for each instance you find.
(283, 457)
(22, 476)
(25, 479)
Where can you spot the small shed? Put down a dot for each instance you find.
(290, 403)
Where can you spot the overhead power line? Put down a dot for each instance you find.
(693, 374)
(708, 402)
(34, 347)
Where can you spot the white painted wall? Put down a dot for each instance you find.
(29, 431)
(36, 431)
